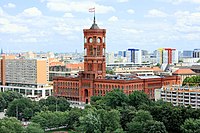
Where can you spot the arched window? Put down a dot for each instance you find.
(99, 40)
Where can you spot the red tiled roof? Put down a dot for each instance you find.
(75, 66)
(183, 71)
(150, 68)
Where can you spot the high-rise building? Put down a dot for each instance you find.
(167, 56)
(134, 55)
(93, 80)
(122, 53)
(196, 53)
(27, 76)
(187, 54)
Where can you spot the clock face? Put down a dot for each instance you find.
(90, 40)
(98, 40)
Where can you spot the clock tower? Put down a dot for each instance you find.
(94, 52)
(94, 60)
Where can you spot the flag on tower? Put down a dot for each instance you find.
(92, 9)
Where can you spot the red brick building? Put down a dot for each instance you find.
(93, 82)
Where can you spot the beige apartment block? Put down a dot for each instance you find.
(26, 76)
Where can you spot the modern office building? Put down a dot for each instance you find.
(196, 53)
(26, 76)
(179, 95)
(134, 55)
(93, 80)
(167, 56)
(187, 54)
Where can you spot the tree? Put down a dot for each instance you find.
(137, 123)
(63, 104)
(138, 98)
(191, 126)
(143, 122)
(154, 127)
(48, 119)
(110, 72)
(90, 122)
(54, 104)
(192, 81)
(126, 114)
(2, 103)
(158, 65)
(99, 121)
(20, 108)
(10, 125)
(34, 128)
(198, 61)
(94, 99)
(72, 119)
(116, 98)
(9, 96)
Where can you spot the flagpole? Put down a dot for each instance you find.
(94, 16)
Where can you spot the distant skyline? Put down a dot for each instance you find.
(57, 25)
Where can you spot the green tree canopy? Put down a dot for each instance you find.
(116, 98)
(8, 96)
(99, 121)
(48, 119)
(191, 126)
(143, 122)
(20, 108)
(34, 128)
(138, 98)
(10, 125)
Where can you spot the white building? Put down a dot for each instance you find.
(134, 55)
(179, 95)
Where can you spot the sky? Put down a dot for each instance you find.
(57, 25)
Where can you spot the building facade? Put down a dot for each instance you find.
(93, 80)
(179, 95)
(134, 55)
(167, 56)
(196, 53)
(26, 76)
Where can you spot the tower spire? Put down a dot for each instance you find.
(94, 25)
(94, 16)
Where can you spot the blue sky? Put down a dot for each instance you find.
(57, 25)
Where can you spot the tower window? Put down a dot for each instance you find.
(90, 67)
(91, 49)
(98, 50)
(98, 40)
(99, 67)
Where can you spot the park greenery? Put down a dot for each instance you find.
(116, 112)
(192, 81)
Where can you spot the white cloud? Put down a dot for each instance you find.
(122, 1)
(113, 19)
(156, 13)
(4, 21)
(32, 12)
(68, 15)
(13, 28)
(10, 5)
(181, 1)
(130, 11)
(69, 6)
(1, 12)
(132, 31)
(26, 40)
